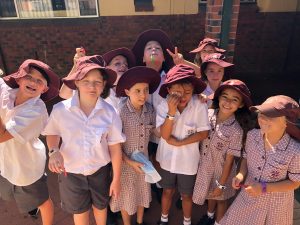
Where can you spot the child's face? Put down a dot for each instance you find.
(119, 65)
(208, 49)
(92, 85)
(153, 54)
(214, 74)
(230, 101)
(138, 94)
(33, 84)
(183, 90)
(271, 125)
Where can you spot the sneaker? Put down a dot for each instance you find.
(205, 220)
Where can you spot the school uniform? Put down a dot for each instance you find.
(22, 158)
(270, 166)
(182, 160)
(85, 141)
(135, 191)
(224, 138)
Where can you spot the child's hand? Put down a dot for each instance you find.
(114, 190)
(56, 163)
(2, 126)
(137, 166)
(254, 190)
(173, 141)
(177, 57)
(236, 181)
(173, 101)
(216, 193)
(80, 52)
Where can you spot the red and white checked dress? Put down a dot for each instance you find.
(224, 138)
(281, 163)
(136, 127)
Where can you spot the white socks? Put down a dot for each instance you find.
(164, 218)
(187, 221)
(211, 215)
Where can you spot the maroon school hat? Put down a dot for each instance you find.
(138, 74)
(281, 105)
(153, 35)
(208, 41)
(237, 85)
(86, 64)
(217, 58)
(54, 80)
(126, 52)
(180, 72)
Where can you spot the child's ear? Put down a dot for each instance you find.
(242, 105)
(45, 89)
(127, 92)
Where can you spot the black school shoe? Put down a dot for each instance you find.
(206, 220)
(162, 223)
(34, 213)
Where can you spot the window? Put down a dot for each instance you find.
(30, 9)
(143, 5)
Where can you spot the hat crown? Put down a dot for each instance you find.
(213, 56)
(179, 71)
(94, 59)
(208, 41)
(240, 85)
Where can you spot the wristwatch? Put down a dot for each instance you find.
(222, 187)
(170, 117)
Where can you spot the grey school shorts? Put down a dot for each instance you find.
(184, 183)
(78, 192)
(27, 197)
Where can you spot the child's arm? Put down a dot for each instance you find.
(116, 160)
(65, 92)
(178, 59)
(196, 137)
(239, 178)
(167, 126)
(225, 174)
(4, 134)
(56, 160)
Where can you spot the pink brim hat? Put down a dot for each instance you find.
(208, 41)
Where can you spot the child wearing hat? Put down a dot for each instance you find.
(23, 116)
(90, 131)
(183, 123)
(138, 120)
(216, 168)
(206, 46)
(213, 69)
(150, 50)
(270, 169)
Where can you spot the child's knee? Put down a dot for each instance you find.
(169, 192)
(186, 197)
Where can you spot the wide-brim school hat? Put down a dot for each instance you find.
(217, 58)
(153, 35)
(238, 86)
(208, 41)
(86, 64)
(281, 105)
(138, 74)
(126, 52)
(54, 80)
(180, 72)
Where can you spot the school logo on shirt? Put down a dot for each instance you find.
(274, 173)
(219, 145)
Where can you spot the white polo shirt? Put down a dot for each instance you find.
(85, 139)
(182, 159)
(22, 158)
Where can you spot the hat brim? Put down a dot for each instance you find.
(53, 85)
(246, 99)
(199, 85)
(217, 61)
(200, 48)
(153, 35)
(78, 75)
(127, 53)
(267, 109)
(139, 74)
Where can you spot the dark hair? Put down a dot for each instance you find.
(228, 71)
(106, 89)
(43, 72)
(182, 81)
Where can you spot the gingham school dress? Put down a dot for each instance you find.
(278, 164)
(134, 190)
(224, 138)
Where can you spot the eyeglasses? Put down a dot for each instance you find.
(39, 82)
(87, 83)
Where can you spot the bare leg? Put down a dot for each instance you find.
(140, 214)
(211, 206)
(100, 215)
(82, 218)
(187, 205)
(47, 212)
(166, 200)
(126, 217)
(221, 209)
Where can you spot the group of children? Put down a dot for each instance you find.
(196, 128)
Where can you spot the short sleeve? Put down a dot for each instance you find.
(27, 123)
(161, 113)
(249, 142)
(294, 166)
(203, 122)
(115, 134)
(3, 86)
(52, 126)
(235, 142)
